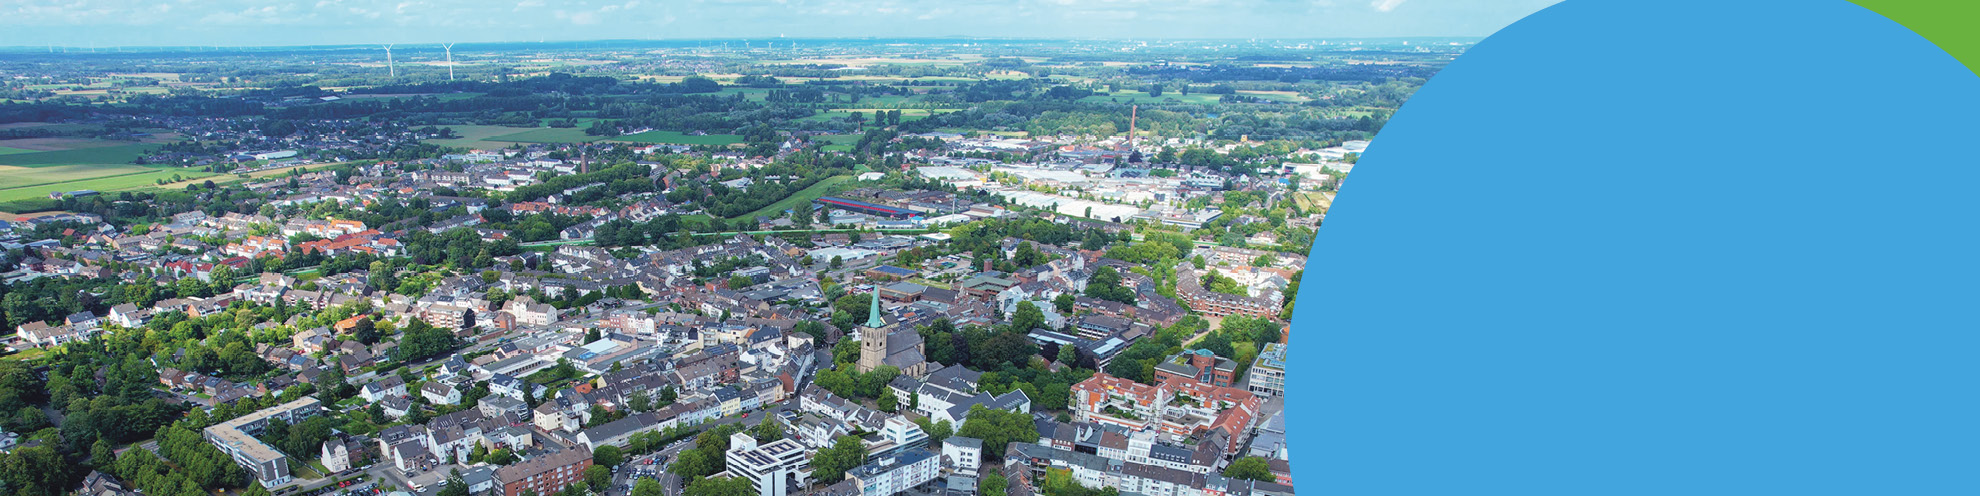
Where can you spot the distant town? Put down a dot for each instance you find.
(923, 268)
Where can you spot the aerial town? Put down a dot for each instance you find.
(919, 268)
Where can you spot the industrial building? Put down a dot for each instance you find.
(867, 208)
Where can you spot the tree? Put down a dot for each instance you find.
(607, 455)
(330, 385)
(889, 403)
(366, 331)
(721, 486)
(1068, 355)
(998, 428)
(692, 464)
(646, 486)
(1065, 303)
(1027, 317)
(598, 477)
(830, 464)
(502, 457)
(937, 431)
(768, 430)
(456, 485)
(1250, 467)
(993, 483)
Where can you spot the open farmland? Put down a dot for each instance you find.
(100, 155)
(478, 137)
(549, 135)
(678, 138)
(112, 183)
(18, 177)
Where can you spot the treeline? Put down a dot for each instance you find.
(613, 177)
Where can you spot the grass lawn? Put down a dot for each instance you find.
(104, 155)
(549, 135)
(27, 355)
(677, 138)
(824, 187)
(308, 471)
(11, 151)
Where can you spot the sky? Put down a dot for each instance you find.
(108, 23)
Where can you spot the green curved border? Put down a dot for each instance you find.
(1950, 24)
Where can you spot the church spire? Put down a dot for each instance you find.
(873, 313)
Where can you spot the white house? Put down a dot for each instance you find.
(439, 393)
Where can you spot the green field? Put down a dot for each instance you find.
(824, 187)
(841, 142)
(477, 137)
(21, 177)
(11, 151)
(676, 138)
(114, 183)
(123, 154)
(549, 135)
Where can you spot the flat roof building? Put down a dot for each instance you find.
(895, 474)
(236, 438)
(773, 468)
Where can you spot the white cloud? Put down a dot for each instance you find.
(1385, 5)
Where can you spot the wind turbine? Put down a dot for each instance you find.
(389, 68)
(450, 60)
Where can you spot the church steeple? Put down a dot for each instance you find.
(873, 313)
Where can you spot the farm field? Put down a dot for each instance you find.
(122, 154)
(477, 137)
(11, 151)
(113, 183)
(549, 135)
(678, 138)
(18, 177)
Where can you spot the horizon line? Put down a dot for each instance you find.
(824, 39)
